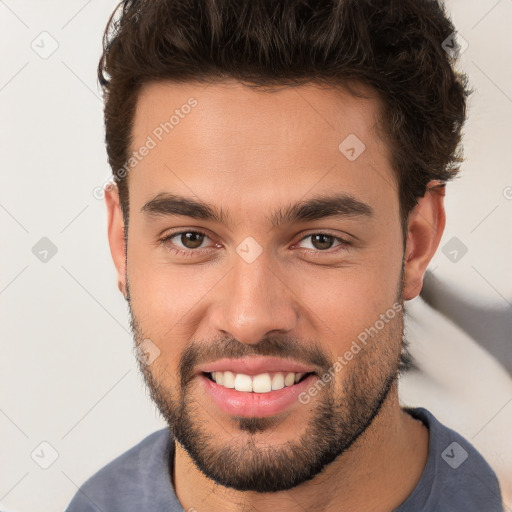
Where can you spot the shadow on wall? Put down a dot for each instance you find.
(488, 324)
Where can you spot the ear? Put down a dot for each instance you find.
(425, 228)
(116, 235)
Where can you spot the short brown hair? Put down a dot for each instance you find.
(393, 46)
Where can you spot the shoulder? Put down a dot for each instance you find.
(124, 482)
(456, 476)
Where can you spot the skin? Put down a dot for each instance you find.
(254, 152)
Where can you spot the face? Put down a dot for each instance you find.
(264, 239)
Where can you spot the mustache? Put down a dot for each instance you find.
(197, 353)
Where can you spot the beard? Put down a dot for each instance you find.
(243, 462)
(336, 418)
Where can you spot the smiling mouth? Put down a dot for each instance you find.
(262, 383)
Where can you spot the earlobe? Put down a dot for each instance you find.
(116, 235)
(425, 229)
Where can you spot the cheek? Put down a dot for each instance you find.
(169, 304)
(356, 307)
(348, 299)
(162, 291)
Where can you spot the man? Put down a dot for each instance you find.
(279, 172)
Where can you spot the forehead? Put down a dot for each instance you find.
(230, 109)
(213, 140)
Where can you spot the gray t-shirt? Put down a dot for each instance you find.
(456, 477)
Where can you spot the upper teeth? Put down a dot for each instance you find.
(262, 383)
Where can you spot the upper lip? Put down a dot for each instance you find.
(255, 366)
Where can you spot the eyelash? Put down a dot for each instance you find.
(190, 252)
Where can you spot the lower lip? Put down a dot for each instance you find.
(240, 403)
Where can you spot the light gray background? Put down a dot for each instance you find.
(68, 375)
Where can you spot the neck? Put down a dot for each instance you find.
(378, 472)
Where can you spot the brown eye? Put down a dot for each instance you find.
(191, 239)
(322, 241)
(185, 243)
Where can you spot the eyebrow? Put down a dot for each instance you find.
(315, 208)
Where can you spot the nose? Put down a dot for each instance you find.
(253, 300)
